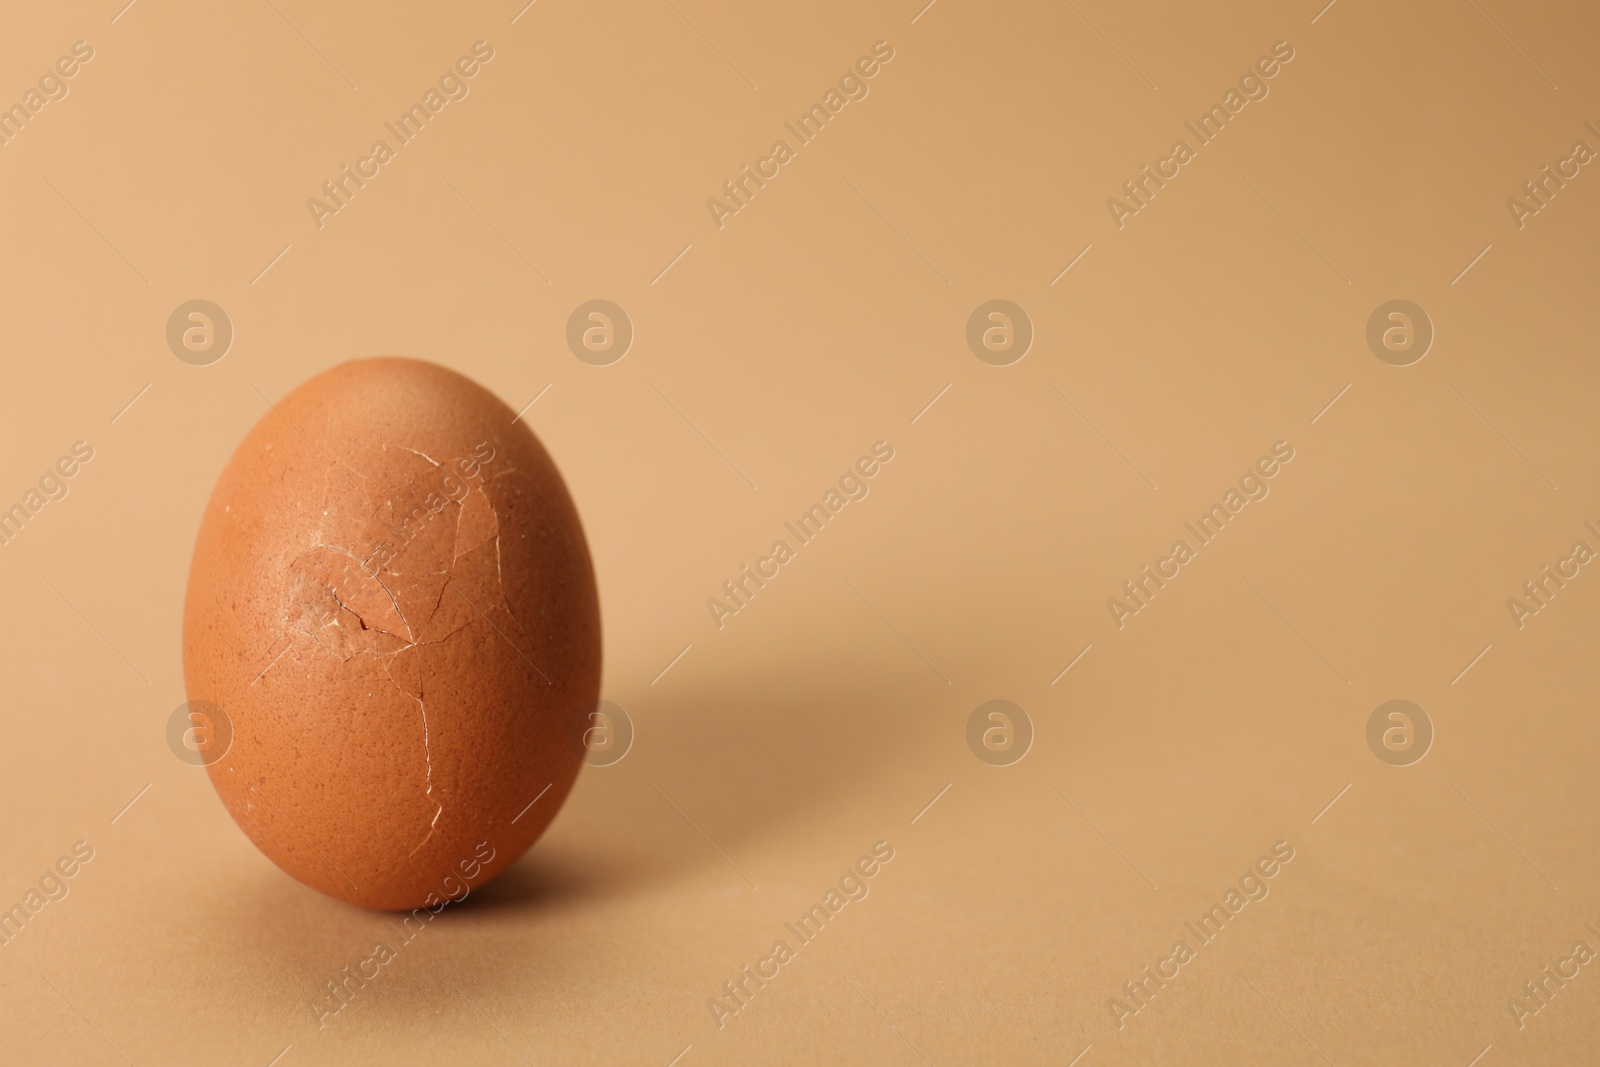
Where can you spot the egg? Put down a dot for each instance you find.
(393, 606)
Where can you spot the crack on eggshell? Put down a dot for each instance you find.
(411, 635)
(427, 760)
(390, 664)
(374, 577)
(340, 612)
(505, 599)
(476, 525)
(487, 528)
(500, 570)
(399, 542)
(363, 622)
(416, 452)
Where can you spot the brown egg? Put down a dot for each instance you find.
(392, 602)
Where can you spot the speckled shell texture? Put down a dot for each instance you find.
(392, 601)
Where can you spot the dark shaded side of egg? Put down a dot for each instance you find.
(392, 601)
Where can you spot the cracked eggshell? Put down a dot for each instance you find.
(392, 600)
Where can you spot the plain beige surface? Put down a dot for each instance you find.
(768, 355)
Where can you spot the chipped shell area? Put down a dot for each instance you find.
(392, 599)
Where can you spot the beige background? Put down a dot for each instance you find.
(823, 317)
